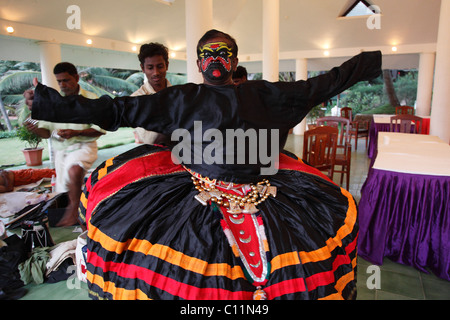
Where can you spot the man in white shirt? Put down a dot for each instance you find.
(74, 145)
(154, 59)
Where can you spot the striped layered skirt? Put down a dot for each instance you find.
(150, 238)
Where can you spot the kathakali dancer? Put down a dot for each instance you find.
(210, 218)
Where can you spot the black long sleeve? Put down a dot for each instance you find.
(267, 110)
(255, 101)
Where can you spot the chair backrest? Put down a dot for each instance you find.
(319, 148)
(403, 123)
(342, 123)
(347, 112)
(404, 110)
(364, 120)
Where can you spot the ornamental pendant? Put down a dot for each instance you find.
(234, 208)
(272, 191)
(261, 189)
(203, 197)
(216, 193)
(250, 208)
(259, 294)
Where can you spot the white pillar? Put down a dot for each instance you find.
(198, 20)
(271, 35)
(50, 55)
(440, 110)
(301, 73)
(425, 84)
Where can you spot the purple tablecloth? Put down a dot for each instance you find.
(373, 137)
(406, 217)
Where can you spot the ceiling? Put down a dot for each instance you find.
(307, 27)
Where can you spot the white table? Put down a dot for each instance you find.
(412, 153)
(404, 211)
(382, 123)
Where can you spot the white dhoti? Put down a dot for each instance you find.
(81, 154)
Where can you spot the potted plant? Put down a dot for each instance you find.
(33, 154)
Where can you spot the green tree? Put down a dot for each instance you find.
(17, 76)
(390, 90)
(406, 88)
(109, 81)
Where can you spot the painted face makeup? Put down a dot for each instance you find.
(215, 59)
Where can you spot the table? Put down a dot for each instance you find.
(382, 123)
(404, 211)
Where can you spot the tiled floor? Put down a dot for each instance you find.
(396, 282)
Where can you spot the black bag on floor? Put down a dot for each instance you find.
(10, 257)
(35, 233)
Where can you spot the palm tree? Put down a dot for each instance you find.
(176, 78)
(107, 81)
(16, 77)
(5, 116)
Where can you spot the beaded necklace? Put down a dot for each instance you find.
(242, 226)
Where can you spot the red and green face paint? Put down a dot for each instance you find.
(215, 59)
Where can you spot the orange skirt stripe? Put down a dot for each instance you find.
(331, 244)
(119, 293)
(196, 265)
(167, 254)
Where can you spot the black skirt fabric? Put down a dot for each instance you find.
(149, 238)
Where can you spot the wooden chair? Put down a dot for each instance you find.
(358, 129)
(319, 148)
(404, 110)
(344, 146)
(403, 123)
